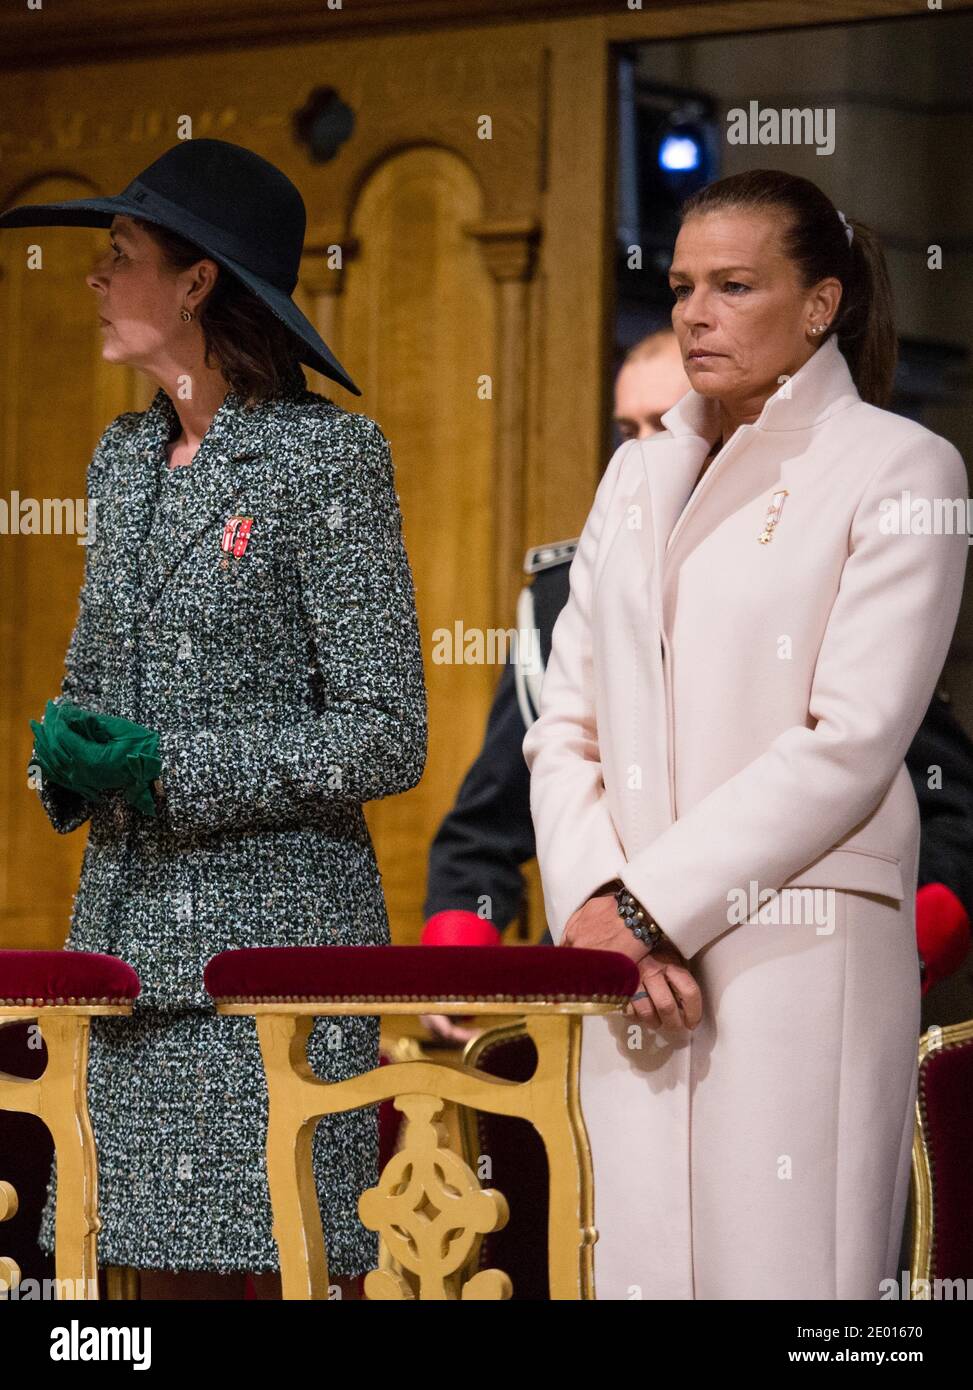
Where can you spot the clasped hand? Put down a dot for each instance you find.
(89, 753)
(674, 1004)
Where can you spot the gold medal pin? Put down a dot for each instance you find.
(773, 516)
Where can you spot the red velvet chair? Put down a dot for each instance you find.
(428, 1205)
(942, 1160)
(62, 991)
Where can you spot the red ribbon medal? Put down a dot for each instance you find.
(236, 535)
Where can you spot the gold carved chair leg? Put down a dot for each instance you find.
(9, 1269)
(64, 1110)
(121, 1283)
(557, 1117)
(290, 1131)
(61, 991)
(59, 1098)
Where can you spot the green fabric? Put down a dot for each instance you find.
(90, 753)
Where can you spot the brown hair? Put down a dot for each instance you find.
(253, 348)
(814, 239)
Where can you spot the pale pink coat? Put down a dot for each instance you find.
(718, 713)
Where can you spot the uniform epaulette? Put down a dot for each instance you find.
(545, 557)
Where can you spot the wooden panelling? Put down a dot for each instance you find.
(417, 318)
(45, 32)
(56, 396)
(80, 29)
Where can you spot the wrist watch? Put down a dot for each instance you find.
(639, 921)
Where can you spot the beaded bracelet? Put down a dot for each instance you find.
(638, 921)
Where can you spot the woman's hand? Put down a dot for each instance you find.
(90, 753)
(596, 926)
(673, 1002)
(444, 1026)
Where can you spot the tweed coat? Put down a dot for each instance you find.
(723, 719)
(287, 687)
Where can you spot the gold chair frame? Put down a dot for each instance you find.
(923, 1177)
(432, 1248)
(59, 1097)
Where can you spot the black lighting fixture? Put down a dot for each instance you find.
(668, 147)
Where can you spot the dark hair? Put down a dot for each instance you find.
(814, 239)
(253, 348)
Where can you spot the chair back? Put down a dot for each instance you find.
(942, 1156)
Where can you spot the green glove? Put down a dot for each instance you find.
(91, 753)
(117, 753)
(51, 756)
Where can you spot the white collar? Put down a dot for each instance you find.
(822, 386)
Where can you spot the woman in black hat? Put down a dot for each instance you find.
(249, 606)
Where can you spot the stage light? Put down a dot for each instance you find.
(680, 152)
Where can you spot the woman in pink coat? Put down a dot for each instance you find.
(761, 603)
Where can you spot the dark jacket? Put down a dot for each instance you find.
(286, 684)
(942, 751)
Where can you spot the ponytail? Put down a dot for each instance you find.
(864, 323)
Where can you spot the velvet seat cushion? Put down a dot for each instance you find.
(65, 977)
(402, 973)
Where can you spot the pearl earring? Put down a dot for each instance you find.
(819, 327)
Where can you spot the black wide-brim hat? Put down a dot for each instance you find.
(237, 207)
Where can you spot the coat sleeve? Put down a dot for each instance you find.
(567, 791)
(367, 739)
(880, 658)
(81, 684)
